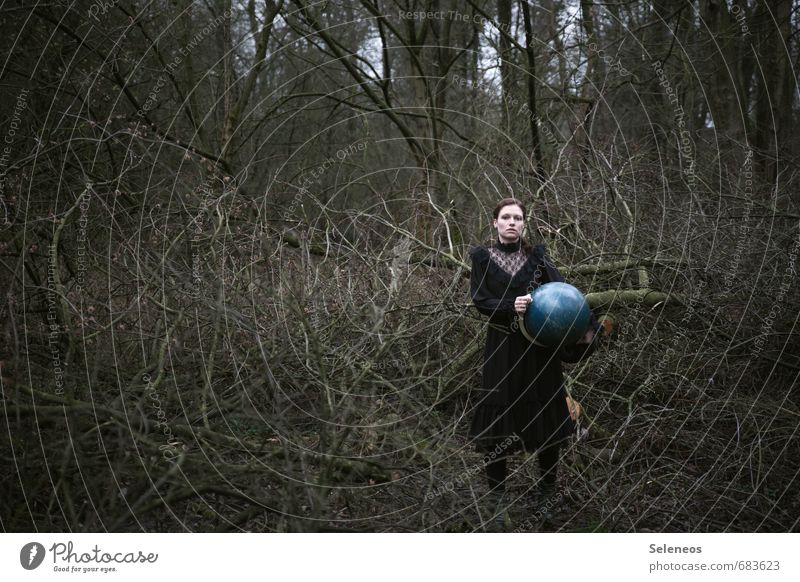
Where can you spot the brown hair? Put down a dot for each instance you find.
(526, 246)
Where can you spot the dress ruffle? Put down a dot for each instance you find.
(526, 426)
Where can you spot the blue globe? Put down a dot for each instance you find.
(557, 315)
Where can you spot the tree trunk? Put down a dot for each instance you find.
(533, 116)
(773, 80)
(505, 54)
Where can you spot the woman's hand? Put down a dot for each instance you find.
(521, 303)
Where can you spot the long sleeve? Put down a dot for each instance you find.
(500, 311)
(574, 353)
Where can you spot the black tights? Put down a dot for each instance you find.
(497, 470)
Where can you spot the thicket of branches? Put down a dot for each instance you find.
(235, 270)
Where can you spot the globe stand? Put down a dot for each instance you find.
(523, 328)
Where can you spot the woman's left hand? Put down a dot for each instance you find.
(521, 303)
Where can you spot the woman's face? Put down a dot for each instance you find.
(509, 223)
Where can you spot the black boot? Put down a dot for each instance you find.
(549, 500)
(497, 471)
(500, 520)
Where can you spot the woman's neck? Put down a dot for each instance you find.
(509, 247)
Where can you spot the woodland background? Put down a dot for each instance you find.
(235, 275)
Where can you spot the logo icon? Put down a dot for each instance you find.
(31, 555)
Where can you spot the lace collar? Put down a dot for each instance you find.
(508, 256)
(491, 257)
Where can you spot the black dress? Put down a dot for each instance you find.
(521, 402)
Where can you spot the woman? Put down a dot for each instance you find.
(522, 402)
